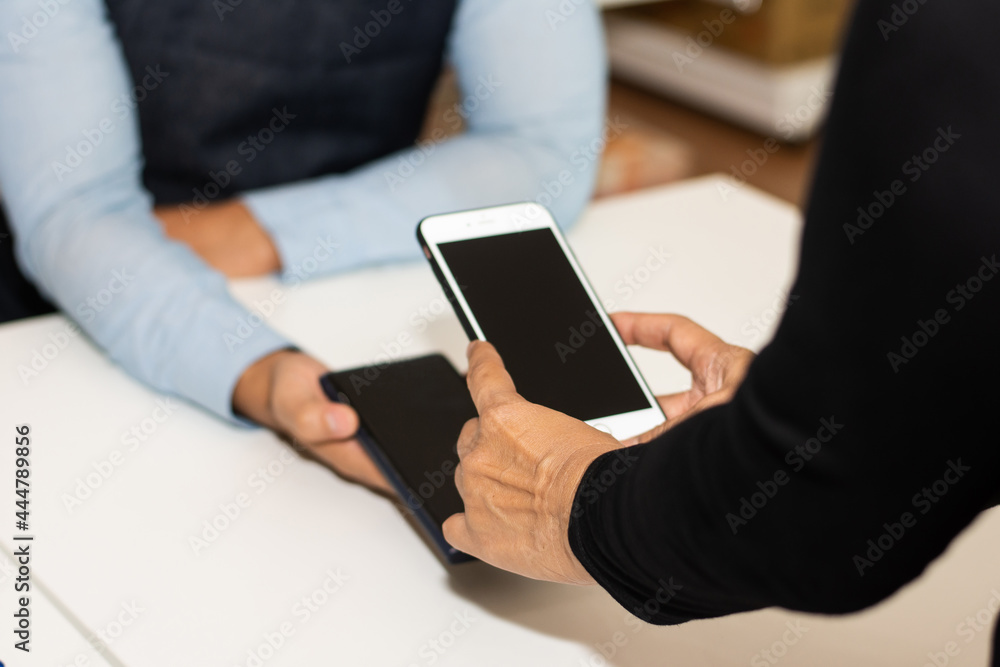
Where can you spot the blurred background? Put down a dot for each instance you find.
(703, 86)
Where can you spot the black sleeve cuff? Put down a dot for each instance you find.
(585, 535)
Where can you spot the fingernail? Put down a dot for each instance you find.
(468, 350)
(331, 422)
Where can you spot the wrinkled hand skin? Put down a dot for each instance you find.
(520, 467)
(717, 368)
(521, 463)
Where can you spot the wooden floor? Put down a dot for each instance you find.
(716, 145)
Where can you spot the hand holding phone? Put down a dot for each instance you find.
(514, 282)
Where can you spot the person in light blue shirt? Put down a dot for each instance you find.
(150, 150)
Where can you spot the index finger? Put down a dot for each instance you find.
(489, 382)
(675, 334)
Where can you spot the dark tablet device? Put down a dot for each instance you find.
(411, 413)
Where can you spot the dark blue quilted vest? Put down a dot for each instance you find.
(252, 93)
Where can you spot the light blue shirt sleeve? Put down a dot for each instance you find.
(70, 173)
(532, 76)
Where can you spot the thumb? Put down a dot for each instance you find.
(338, 421)
(317, 420)
(456, 532)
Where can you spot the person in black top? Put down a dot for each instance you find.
(867, 428)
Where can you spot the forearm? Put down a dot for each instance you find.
(731, 511)
(341, 223)
(157, 309)
(84, 227)
(855, 450)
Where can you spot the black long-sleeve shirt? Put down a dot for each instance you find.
(864, 437)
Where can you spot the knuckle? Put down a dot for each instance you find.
(472, 463)
(491, 419)
(501, 415)
(469, 427)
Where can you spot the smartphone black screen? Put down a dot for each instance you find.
(532, 307)
(412, 412)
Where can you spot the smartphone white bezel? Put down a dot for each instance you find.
(511, 218)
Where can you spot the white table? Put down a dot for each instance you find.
(387, 600)
(55, 640)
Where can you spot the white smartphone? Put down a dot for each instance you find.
(513, 281)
